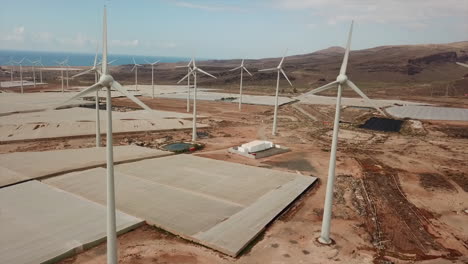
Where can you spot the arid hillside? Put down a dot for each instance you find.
(386, 71)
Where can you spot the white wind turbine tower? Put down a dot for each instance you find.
(341, 80)
(98, 119)
(242, 69)
(189, 69)
(135, 68)
(62, 64)
(194, 71)
(152, 76)
(33, 65)
(20, 63)
(278, 69)
(39, 63)
(106, 81)
(12, 63)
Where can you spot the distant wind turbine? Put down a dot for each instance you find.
(98, 119)
(62, 64)
(341, 80)
(194, 71)
(152, 76)
(242, 69)
(12, 63)
(20, 63)
(135, 68)
(33, 65)
(39, 63)
(189, 69)
(278, 69)
(106, 81)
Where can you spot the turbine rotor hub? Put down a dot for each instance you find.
(341, 78)
(106, 80)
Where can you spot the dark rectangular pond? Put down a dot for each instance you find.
(383, 124)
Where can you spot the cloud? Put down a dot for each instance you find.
(125, 43)
(410, 13)
(17, 34)
(207, 7)
(80, 40)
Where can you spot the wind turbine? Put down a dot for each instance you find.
(135, 68)
(152, 75)
(462, 64)
(40, 69)
(278, 69)
(20, 63)
(98, 119)
(106, 81)
(12, 63)
(34, 70)
(242, 69)
(189, 69)
(341, 80)
(63, 63)
(194, 71)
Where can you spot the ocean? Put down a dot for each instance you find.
(78, 59)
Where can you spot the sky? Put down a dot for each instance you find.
(227, 29)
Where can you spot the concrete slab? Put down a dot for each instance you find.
(80, 121)
(42, 224)
(10, 84)
(346, 101)
(207, 94)
(195, 197)
(21, 166)
(429, 113)
(233, 98)
(30, 102)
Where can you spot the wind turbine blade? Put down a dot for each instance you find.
(282, 60)
(204, 72)
(369, 101)
(82, 73)
(322, 88)
(285, 76)
(112, 61)
(133, 68)
(104, 42)
(185, 77)
(134, 62)
(270, 69)
(462, 64)
(147, 61)
(185, 66)
(236, 68)
(155, 62)
(190, 62)
(119, 88)
(242, 62)
(344, 64)
(95, 56)
(245, 69)
(88, 90)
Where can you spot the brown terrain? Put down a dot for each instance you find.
(399, 197)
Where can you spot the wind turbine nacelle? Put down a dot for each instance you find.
(106, 80)
(341, 78)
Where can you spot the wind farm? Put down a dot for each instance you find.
(331, 154)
